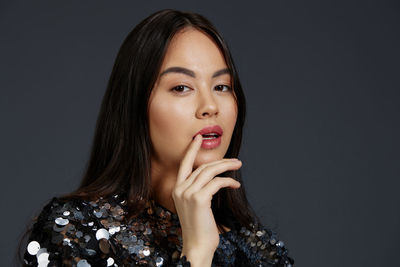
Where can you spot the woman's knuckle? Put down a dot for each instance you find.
(186, 195)
(208, 172)
(178, 190)
(197, 198)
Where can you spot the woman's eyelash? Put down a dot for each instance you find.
(224, 85)
(180, 87)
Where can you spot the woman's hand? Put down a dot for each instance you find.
(192, 197)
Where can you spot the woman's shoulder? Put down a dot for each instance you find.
(67, 231)
(65, 210)
(61, 211)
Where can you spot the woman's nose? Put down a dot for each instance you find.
(207, 106)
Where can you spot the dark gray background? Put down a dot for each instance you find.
(320, 152)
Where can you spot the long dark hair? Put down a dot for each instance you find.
(121, 150)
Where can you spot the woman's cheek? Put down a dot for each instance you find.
(172, 119)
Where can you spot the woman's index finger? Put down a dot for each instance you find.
(186, 166)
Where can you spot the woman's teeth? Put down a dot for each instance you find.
(210, 136)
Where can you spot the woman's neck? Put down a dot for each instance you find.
(162, 183)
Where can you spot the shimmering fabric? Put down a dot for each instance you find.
(96, 233)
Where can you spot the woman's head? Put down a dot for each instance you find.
(138, 103)
(193, 90)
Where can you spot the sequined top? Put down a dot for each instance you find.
(96, 233)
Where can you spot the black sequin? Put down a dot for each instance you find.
(96, 233)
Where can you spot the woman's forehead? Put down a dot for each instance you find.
(194, 50)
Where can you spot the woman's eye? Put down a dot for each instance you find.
(222, 86)
(179, 88)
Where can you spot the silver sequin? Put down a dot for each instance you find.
(42, 257)
(33, 247)
(83, 263)
(66, 213)
(110, 261)
(159, 261)
(102, 233)
(61, 221)
(146, 251)
(114, 229)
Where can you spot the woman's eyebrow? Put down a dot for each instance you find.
(191, 73)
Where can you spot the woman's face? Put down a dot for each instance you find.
(195, 94)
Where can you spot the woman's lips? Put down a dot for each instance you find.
(209, 143)
(210, 129)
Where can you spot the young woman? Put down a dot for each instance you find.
(163, 185)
